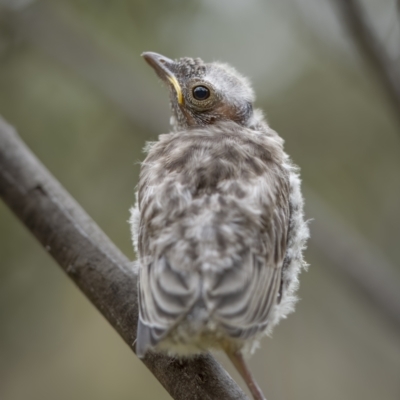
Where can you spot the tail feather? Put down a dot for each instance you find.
(147, 338)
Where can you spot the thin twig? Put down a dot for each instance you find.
(94, 263)
(357, 24)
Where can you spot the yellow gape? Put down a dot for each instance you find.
(177, 87)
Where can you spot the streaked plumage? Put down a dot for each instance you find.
(218, 225)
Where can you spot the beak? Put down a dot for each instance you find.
(163, 65)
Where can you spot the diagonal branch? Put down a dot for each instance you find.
(356, 22)
(94, 263)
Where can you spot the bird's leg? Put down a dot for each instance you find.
(238, 361)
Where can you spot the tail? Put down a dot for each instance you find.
(147, 338)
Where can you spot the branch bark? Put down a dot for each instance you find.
(357, 24)
(96, 265)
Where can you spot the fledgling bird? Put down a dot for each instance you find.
(218, 224)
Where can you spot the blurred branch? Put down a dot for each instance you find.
(94, 263)
(352, 255)
(398, 7)
(356, 22)
(67, 42)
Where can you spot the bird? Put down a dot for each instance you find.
(218, 225)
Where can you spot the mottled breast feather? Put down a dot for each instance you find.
(212, 232)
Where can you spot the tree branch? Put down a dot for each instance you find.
(95, 264)
(356, 22)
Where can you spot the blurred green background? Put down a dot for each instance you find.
(74, 85)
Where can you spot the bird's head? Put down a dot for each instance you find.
(202, 94)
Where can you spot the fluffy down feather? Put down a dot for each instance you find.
(219, 231)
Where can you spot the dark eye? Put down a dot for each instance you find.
(201, 93)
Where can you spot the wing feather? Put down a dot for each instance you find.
(165, 297)
(243, 310)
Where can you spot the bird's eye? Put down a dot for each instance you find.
(201, 93)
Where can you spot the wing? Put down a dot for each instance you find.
(243, 296)
(165, 297)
